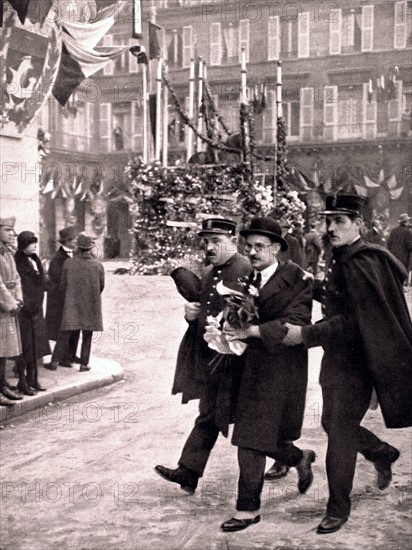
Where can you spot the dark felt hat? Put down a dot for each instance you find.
(269, 228)
(67, 234)
(220, 226)
(26, 238)
(187, 283)
(85, 242)
(344, 204)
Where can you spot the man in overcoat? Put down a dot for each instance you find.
(219, 241)
(11, 302)
(82, 283)
(270, 407)
(55, 303)
(400, 240)
(366, 334)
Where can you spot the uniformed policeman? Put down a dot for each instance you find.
(219, 241)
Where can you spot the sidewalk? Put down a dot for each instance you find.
(62, 384)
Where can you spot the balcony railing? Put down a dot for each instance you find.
(72, 142)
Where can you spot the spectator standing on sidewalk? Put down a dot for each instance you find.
(82, 283)
(366, 334)
(55, 302)
(11, 301)
(400, 241)
(32, 326)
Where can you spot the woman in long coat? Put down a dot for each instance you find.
(82, 282)
(32, 326)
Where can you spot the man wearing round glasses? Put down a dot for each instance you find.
(271, 402)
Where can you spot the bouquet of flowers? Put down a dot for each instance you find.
(239, 312)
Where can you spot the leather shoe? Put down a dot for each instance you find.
(65, 364)
(10, 386)
(304, 469)
(51, 366)
(329, 524)
(384, 467)
(25, 389)
(10, 394)
(235, 524)
(84, 368)
(186, 478)
(37, 387)
(277, 471)
(4, 402)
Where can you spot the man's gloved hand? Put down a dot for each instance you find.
(192, 310)
(294, 335)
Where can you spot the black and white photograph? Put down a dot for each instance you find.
(206, 275)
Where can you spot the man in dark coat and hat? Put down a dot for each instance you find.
(400, 240)
(62, 354)
(271, 403)
(366, 334)
(227, 265)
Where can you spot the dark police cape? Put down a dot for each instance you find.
(374, 280)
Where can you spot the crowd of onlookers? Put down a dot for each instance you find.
(73, 282)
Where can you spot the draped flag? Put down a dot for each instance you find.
(80, 59)
(154, 54)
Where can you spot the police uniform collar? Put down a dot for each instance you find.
(229, 262)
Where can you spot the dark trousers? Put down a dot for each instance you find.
(252, 468)
(203, 436)
(2, 371)
(343, 411)
(86, 347)
(66, 346)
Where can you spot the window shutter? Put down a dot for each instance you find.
(187, 41)
(330, 112)
(400, 30)
(215, 44)
(137, 123)
(303, 34)
(270, 119)
(273, 38)
(395, 108)
(106, 126)
(335, 31)
(109, 68)
(367, 28)
(369, 114)
(306, 113)
(244, 38)
(89, 124)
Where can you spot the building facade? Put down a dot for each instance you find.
(347, 95)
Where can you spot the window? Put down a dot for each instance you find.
(335, 31)
(230, 43)
(109, 68)
(350, 112)
(400, 30)
(291, 112)
(215, 44)
(273, 38)
(187, 45)
(367, 28)
(269, 121)
(289, 39)
(303, 34)
(137, 126)
(106, 127)
(244, 38)
(369, 114)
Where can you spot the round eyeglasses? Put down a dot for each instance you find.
(257, 246)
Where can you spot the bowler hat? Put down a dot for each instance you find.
(25, 238)
(344, 204)
(67, 234)
(218, 225)
(187, 283)
(403, 218)
(268, 227)
(8, 222)
(85, 242)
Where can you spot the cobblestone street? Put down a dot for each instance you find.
(79, 475)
